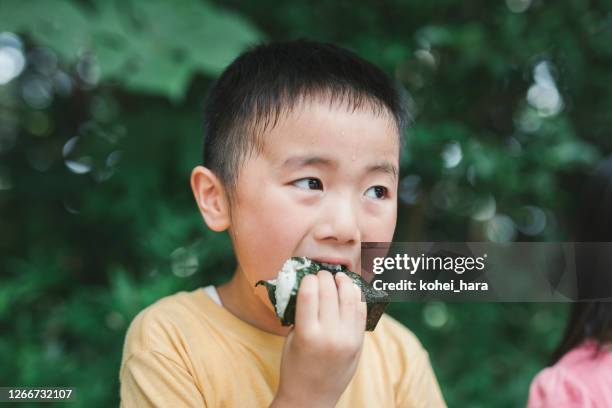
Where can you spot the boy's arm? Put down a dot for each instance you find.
(151, 379)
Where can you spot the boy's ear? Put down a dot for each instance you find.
(211, 198)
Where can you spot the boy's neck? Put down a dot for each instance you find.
(239, 299)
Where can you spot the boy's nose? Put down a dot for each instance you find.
(339, 223)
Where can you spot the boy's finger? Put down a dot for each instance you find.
(307, 305)
(328, 298)
(346, 296)
(361, 308)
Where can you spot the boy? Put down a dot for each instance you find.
(302, 146)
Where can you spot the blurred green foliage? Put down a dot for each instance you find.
(100, 126)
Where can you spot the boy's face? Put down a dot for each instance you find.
(326, 181)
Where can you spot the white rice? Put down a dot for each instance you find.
(285, 282)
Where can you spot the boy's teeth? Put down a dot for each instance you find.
(331, 266)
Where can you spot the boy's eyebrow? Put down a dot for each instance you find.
(299, 161)
(383, 167)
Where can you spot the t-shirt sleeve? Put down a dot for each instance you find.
(155, 368)
(416, 385)
(151, 379)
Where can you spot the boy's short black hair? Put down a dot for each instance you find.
(271, 79)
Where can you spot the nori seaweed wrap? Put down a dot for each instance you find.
(290, 277)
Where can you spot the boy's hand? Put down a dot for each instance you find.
(322, 351)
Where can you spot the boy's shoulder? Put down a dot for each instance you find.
(406, 363)
(393, 338)
(160, 326)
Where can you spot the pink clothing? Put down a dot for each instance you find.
(577, 380)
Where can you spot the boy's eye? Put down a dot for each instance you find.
(309, 183)
(377, 192)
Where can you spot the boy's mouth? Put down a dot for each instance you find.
(333, 264)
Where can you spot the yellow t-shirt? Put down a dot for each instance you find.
(186, 350)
